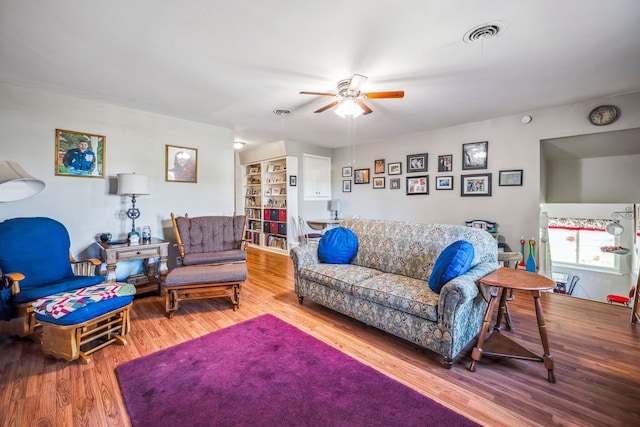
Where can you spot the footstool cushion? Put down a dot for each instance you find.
(197, 274)
(80, 305)
(203, 282)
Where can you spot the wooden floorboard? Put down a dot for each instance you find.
(595, 349)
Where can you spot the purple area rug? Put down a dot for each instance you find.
(265, 372)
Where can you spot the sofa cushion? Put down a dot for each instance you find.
(453, 261)
(401, 293)
(338, 277)
(338, 246)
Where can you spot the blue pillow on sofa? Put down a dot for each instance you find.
(338, 246)
(452, 262)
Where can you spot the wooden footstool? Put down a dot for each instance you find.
(80, 322)
(203, 282)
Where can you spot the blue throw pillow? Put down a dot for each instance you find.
(452, 262)
(338, 246)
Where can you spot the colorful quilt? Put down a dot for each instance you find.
(63, 303)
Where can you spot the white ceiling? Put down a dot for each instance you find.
(231, 63)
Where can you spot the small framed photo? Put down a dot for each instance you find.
(394, 168)
(378, 166)
(417, 162)
(510, 178)
(474, 155)
(361, 176)
(394, 183)
(346, 186)
(378, 182)
(445, 163)
(181, 164)
(80, 154)
(418, 184)
(293, 180)
(475, 185)
(347, 171)
(444, 182)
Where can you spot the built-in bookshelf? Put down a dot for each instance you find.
(271, 202)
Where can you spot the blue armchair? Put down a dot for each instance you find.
(34, 254)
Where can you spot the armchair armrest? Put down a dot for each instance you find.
(15, 281)
(85, 267)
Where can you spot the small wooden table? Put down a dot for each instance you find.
(146, 250)
(504, 279)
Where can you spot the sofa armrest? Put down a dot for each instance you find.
(304, 256)
(461, 291)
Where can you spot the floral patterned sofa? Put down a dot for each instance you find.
(386, 283)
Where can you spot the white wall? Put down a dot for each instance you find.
(512, 145)
(597, 180)
(135, 142)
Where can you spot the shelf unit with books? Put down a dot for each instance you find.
(272, 225)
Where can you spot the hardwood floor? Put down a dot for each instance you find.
(595, 348)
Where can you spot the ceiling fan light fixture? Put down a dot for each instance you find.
(349, 107)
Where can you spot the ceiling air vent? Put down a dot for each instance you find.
(280, 112)
(483, 31)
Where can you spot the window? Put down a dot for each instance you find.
(577, 241)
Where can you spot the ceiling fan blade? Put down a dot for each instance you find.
(326, 107)
(375, 95)
(318, 93)
(356, 81)
(366, 109)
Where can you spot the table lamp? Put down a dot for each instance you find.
(16, 183)
(334, 206)
(130, 184)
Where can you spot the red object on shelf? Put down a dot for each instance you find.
(274, 227)
(282, 215)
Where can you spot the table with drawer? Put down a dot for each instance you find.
(148, 251)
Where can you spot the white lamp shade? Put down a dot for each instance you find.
(349, 107)
(334, 205)
(16, 183)
(133, 184)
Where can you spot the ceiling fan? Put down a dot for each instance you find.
(350, 99)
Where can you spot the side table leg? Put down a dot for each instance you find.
(111, 273)
(507, 314)
(547, 358)
(476, 354)
(503, 310)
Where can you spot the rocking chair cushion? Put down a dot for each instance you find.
(219, 257)
(47, 262)
(33, 292)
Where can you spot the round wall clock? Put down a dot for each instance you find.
(604, 115)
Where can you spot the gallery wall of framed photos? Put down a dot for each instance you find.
(474, 157)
